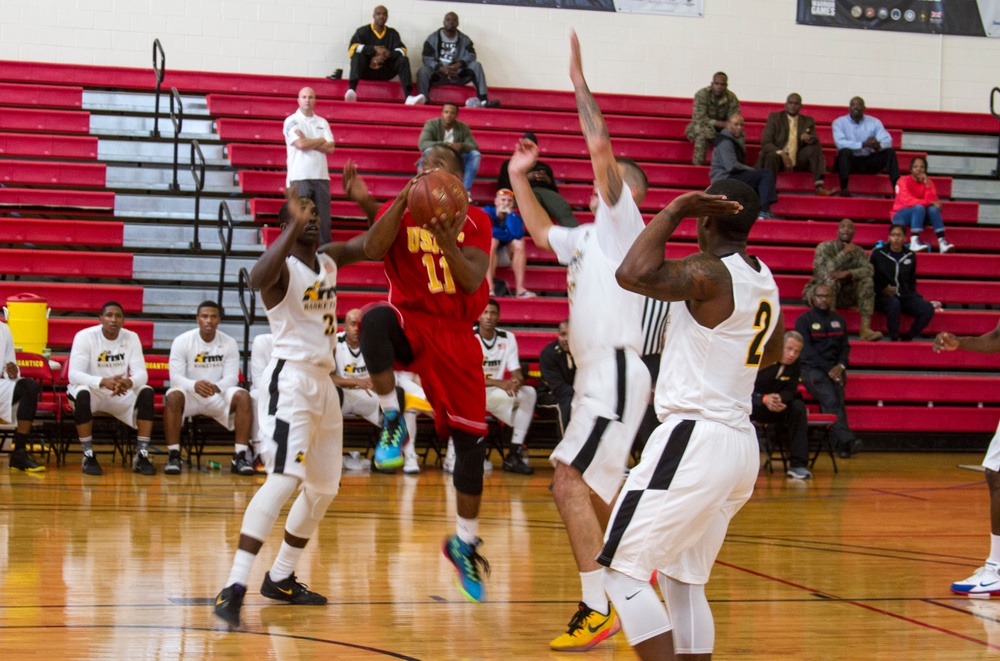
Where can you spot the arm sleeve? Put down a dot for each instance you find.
(618, 229)
(767, 142)
(137, 364)
(289, 130)
(841, 137)
(845, 349)
(470, 51)
(427, 137)
(512, 362)
(808, 350)
(551, 374)
(357, 42)
(469, 142)
(725, 154)
(178, 364)
(931, 194)
(515, 225)
(790, 388)
(260, 356)
(79, 363)
(429, 55)
(230, 367)
(327, 132)
(882, 135)
(563, 241)
(860, 266)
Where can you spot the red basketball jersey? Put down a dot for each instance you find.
(419, 278)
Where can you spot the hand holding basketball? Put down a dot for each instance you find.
(437, 198)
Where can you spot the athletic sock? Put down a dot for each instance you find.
(142, 444)
(174, 448)
(285, 563)
(389, 401)
(467, 529)
(995, 548)
(593, 590)
(242, 562)
(88, 445)
(241, 448)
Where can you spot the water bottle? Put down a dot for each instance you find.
(214, 466)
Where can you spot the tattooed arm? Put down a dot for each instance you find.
(606, 173)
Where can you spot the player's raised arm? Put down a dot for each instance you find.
(536, 218)
(357, 191)
(269, 274)
(347, 252)
(694, 278)
(595, 131)
(380, 236)
(985, 343)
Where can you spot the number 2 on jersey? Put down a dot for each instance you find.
(434, 284)
(761, 322)
(331, 324)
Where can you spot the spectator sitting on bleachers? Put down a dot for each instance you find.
(204, 380)
(355, 388)
(729, 161)
(713, 106)
(508, 236)
(448, 131)
(790, 144)
(450, 59)
(863, 145)
(825, 352)
(309, 139)
(917, 202)
(377, 53)
(543, 185)
(107, 374)
(18, 404)
(844, 267)
(896, 286)
(558, 370)
(776, 401)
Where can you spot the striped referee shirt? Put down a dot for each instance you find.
(654, 325)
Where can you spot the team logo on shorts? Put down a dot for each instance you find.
(300, 457)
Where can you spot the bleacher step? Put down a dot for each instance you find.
(962, 166)
(142, 103)
(131, 125)
(179, 237)
(156, 152)
(119, 176)
(164, 332)
(949, 143)
(186, 268)
(976, 189)
(168, 206)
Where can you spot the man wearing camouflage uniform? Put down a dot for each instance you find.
(844, 266)
(713, 106)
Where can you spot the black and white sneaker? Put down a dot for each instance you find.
(229, 602)
(142, 464)
(290, 590)
(173, 466)
(240, 465)
(90, 465)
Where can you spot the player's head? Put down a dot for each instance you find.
(489, 317)
(634, 177)
(504, 200)
(352, 327)
(793, 347)
(449, 113)
(445, 158)
(307, 101)
(897, 237)
(845, 230)
(563, 335)
(731, 229)
(112, 319)
(306, 206)
(208, 317)
(822, 297)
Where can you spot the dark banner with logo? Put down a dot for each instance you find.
(664, 7)
(972, 18)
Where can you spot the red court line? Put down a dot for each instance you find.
(874, 609)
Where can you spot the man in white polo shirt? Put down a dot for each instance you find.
(309, 140)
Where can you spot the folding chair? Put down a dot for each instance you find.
(821, 437)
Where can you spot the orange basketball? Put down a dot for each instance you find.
(437, 194)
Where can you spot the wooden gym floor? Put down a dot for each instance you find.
(848, 566)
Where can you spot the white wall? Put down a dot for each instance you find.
(756, 41)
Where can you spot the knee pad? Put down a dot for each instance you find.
(380, 332)
(266, 505)
(307, 512)
(694, 627)
(81, 409)
(470, 452)
(639, 608)
(144, 404)
(26, 396)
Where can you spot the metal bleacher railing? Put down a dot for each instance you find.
(249, 309)
(177, 119)
(226, 244)
(995, 111)
(160, 71)
(198, 174)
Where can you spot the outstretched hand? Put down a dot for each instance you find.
(945, 342)
(697, 205)
(575, 61)
(524, 158)
(355, 187)
(299, 210)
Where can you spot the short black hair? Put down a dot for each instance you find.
(285, 213)
(495, 303)
(112, 304)
(919, 158)
(449, 103)
(736, 228)
(449, 154)
(209, 304)
(634, 174)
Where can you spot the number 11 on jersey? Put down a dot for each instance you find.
(434, 284)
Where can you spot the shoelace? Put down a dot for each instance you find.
(473, 561)
(577, 621)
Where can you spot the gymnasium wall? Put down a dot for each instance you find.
(755, 41)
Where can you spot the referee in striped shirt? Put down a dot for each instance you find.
(654, 328)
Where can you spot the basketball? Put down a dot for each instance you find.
(437, 194)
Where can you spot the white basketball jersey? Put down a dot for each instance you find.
(602, 314)
(709, 373)
(350, 362)
(499, 354)
(304, 323)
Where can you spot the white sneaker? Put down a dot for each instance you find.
(916, 245)
(944, 246)
(350, 95)
(353, 462)
(417, 100)
(410, 465)
(487, 466)
(983, 583)
(799, 473)
(449, 458)
(473, 102)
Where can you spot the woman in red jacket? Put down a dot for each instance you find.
(917, 204)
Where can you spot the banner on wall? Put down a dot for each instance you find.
(971, 18)
(662, 7)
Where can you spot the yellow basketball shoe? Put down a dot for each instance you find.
(587, 627)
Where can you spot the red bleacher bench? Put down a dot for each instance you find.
(961, 322)
(44, 121)
(896, 419)
(45, 96)
(66, 263)
(45, 173)
(74, 297)
(919, 355)
(32, 198)
(71, 232)
(62, 330)
(81, 147)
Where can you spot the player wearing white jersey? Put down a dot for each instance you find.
(700, 464)
(204, 378)
(18, 404)
(612, 384)
(260, 356)
(300, 420)
(107, 374)
(357, 396)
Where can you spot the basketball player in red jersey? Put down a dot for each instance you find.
(436, 292)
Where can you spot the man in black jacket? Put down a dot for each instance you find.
(824, 364)
(896, 286)
(377, 52)
(776, 401)
(449, 57)
(558, 372)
